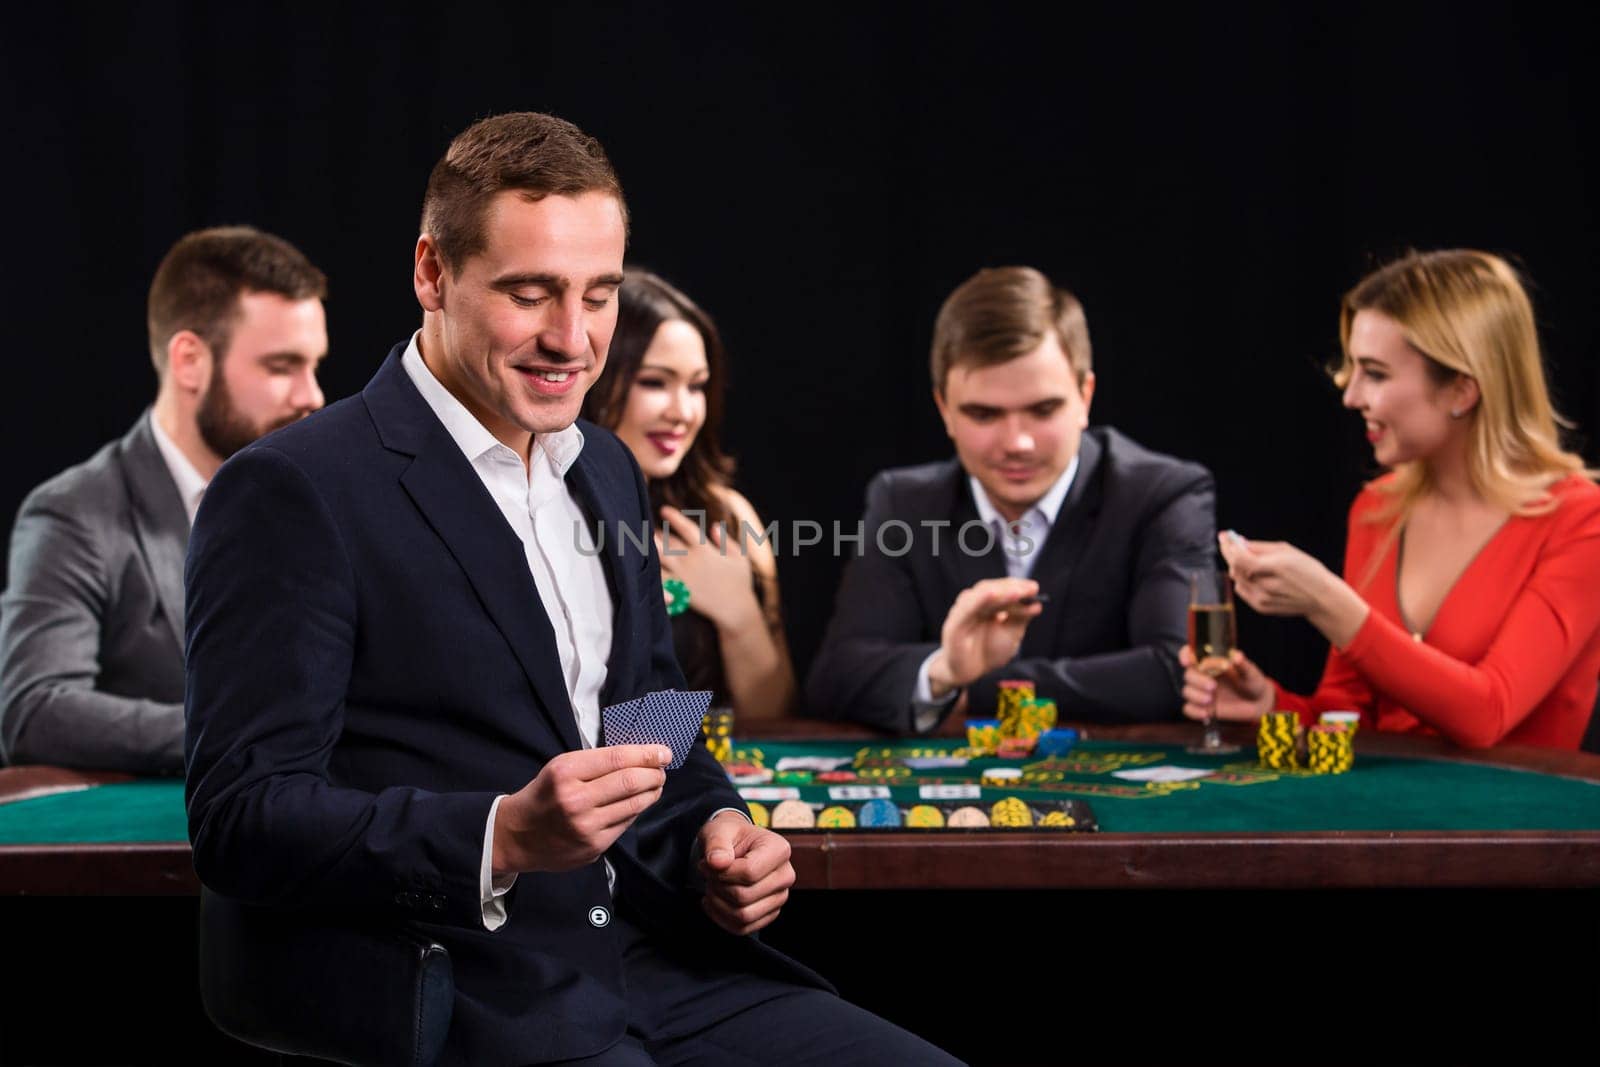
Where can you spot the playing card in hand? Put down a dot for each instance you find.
(616, 722)
(670, 717)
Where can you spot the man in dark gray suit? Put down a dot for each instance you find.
(91, 623)
(944, 601)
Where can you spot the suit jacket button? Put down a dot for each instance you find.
(598, 916)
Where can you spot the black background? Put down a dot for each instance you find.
(818, 176)
(1209, 181)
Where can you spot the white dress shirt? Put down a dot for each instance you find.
(191, 485)
(571, 580)
(1020, 545)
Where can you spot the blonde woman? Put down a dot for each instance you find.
(1470, 602)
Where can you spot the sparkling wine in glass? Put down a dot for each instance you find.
(1212, 636)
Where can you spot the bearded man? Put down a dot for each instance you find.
(91, 622)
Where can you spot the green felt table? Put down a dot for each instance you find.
(1380, 793)
(1412, 813)
(143, 810)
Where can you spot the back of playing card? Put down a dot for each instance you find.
(670, 717)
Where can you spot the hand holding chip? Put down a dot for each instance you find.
(1276, 578)
(714, 566)
(983, 631)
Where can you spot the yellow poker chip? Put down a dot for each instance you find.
(836, 817)
(968, 818)
(758, 814)
(1058, 819)
(1011, 812)
(925, 817)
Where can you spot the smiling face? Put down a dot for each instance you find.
(666, 403)
(1016, 425)
(519, 332)
(1404, 400)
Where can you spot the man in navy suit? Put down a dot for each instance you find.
(939, 607)
(401, 637)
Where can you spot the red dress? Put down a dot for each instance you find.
(1513, 654)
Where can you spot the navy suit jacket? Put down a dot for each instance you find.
(369, 665)
(1104, 648)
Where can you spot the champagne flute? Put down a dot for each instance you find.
(1212, 636)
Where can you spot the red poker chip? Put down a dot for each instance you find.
(836, 776)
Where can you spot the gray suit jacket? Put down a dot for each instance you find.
(91, 622)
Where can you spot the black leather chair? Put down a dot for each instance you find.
(306, 986)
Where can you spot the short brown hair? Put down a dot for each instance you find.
(199, 282)
(1002, 313)
(537, 155)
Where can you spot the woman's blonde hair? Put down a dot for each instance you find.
(1467, 313)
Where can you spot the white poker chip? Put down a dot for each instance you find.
(793, 815)
(967, 818)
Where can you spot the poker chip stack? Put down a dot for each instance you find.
(1009, 706)
(1330, 748)
(1350, 720)
(1010, 812)
(1276, 738)
(983, 736)
(1019, 746)
(1056, 742)
(1035, 716)
(717, 731)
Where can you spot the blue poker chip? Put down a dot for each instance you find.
(879, 813)
(1057, 742)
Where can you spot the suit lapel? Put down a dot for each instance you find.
(160, 521)
(594, 495)
(453, 500)
(1064, 547)
(968, 568)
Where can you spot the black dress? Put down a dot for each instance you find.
(694, 639)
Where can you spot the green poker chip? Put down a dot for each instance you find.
(678, 595)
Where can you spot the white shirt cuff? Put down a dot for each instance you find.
(492, 888)
(925, 710)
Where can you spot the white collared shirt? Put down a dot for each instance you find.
(191, 484)
(555, 537)
(561, 556)
(1021, 541)
(1020, 544)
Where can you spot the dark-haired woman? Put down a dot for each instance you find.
(662, 395)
